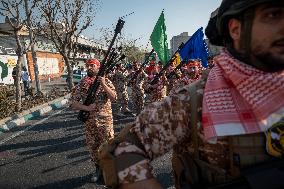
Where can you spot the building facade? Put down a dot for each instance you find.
(50, 62)
(183, 37)
(177, 40)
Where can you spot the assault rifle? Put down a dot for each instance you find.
(141, 67)
(170, 75)
(161, 72)
(84, 115)
(114, 54)
(147, 59)
(110, 68)
(113, 60)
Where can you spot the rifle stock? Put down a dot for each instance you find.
(84, 115)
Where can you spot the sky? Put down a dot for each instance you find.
(180, 16)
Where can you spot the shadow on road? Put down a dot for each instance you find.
(66, 184)
(66, 164)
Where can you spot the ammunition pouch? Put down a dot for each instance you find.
(193, 173)
(107, 163)
(111, 164)
(190, 173)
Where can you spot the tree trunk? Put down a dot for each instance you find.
(31, 35)
(18, 84)
(19, 71)
(38, 86)
(69, 72)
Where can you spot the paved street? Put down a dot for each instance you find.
(50, 153)
(47, 86)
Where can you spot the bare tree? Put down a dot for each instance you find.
(62, 22)
(131, 51)
(12, 12)
(28, 12)
(129, 47)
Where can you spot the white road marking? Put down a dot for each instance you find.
(29, 127)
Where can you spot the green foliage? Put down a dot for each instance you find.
(133, 53)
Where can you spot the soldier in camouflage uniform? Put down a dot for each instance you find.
(119, 80)
(151, 66)
(156, 92)
(174, 82)
(184, 80)
(228, 121)
(99, 126)
(174, 77)
(191, 73)
(194, 70)
(136, 81)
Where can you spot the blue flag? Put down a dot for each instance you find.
(195, 48)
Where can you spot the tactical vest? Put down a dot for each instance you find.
(245, 152)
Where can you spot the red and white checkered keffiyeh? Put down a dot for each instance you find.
(239, 99)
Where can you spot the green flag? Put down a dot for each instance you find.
(159, 39)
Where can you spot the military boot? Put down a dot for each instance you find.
(97, 176)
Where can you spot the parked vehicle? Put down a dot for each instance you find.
(77, 76)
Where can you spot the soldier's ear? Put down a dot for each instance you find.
(234, 27)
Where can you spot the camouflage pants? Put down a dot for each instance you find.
(170, 87)
(97, 134)
(122, 99)
(138, 99)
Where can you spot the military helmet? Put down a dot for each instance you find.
(229, 8)
(211, 30)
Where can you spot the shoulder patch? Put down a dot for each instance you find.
(275, 139)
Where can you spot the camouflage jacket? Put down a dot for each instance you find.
(156, 91)
(161, 126)
(80, 92)
(119, 80)
(138, 81)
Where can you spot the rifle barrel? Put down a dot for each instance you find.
(83, 115)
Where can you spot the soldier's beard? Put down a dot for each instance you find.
(90, 73)
(262, 60)
(192, 75)
(270, 62)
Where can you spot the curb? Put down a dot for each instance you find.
(10, 122)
